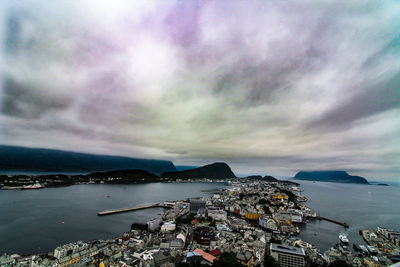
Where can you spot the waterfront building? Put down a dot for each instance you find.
(283, 218)
(196, 204)
(267, 223)
(168, 227)
(287, 256)
(154, 224)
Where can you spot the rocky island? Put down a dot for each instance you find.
(330, 176)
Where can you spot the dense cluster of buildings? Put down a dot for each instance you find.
(250, 219)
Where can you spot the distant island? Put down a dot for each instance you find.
(14, 158)
(330, 176)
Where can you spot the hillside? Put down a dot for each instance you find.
(270, 179)
(330, 176)
(122, 176)
(218, 170)
(37, 159)
(266, 178)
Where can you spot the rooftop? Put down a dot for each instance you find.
(287, 249)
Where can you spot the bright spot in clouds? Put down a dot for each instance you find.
(267, 86)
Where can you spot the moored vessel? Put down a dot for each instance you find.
(343, 238)
(32, 186)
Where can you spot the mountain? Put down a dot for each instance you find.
(184, 167)
(330, 176)
(218, 170)
(38, 159)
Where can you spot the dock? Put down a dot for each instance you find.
(344, 224)
(148, 206)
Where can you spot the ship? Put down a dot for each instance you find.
(361, 249)
(344, 239)
(32, 186)
(372, 250)
(364, 249)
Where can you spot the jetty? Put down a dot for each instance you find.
(344, 224)
(147, 206)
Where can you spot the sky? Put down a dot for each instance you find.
(270, 87)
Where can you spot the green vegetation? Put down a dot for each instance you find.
(263, 201)
(266, 210)
(311, 263)
(339, 263)
(227, 259)
(269, 261)
(185, 219)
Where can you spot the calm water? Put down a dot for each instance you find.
(31, 220)
(361, 206)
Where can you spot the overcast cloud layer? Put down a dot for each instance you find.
(267, 86)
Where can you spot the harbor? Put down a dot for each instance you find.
(241, 216)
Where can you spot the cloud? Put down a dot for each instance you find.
(266, 86)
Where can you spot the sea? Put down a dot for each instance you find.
(361, 206)
(37, 221)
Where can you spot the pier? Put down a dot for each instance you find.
(344, 224)
(148, 206)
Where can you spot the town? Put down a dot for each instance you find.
(251, 223)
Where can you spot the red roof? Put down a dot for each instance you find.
(205, 255)
(215, 252)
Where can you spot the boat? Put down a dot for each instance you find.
(372, 250)
(32, 186)
(361, 249)
(344, 239)
(364, 249)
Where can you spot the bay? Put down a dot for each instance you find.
(361, 206)
(34, 221)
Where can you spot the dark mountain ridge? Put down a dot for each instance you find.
(330, 176)
(134, 176)
(38, 159)
(218, 170)
(266, 178)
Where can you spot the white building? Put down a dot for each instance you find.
(287, 256)
(218, 215)
(69, 249)
(168, 227)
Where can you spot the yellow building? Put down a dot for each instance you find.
(75, 260)
(252, 215)
(283, 221)
(280, 196)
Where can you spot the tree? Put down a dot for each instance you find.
(227, 259)
(339, 263)
(311, 263)
(269, 261)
